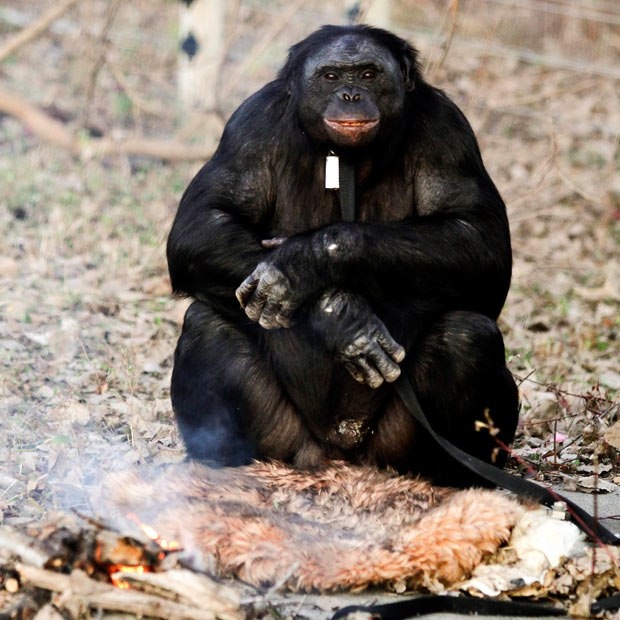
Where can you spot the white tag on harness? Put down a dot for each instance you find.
(332, 174)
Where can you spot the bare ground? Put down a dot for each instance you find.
(87, 325)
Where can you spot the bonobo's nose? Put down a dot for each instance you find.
(350, 96)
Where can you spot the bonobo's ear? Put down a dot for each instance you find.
(409, 65)
(409, 74)
(404, 54)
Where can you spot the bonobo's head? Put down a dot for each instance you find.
(349, 84)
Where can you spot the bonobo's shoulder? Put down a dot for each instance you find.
(440, 130)
(432, 106)
(260, 113)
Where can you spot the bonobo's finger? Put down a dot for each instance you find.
(275, 314)
(390, 346)
(246, 289)
(274, 242)
(255, 305)
(371, 375)
(254, 309)
(383, 363)
(354, 372)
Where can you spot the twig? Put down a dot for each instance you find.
(136, 99)
(50, 130)
(556, 495)
(34, 30)
(260, 47)
(554, 92)
(92, 594)
(101, 47)
(597, 14)
(37, 121)
(454, 10)
(169, 150)
(487, 48)
(22, 546)
(575, 188)
(183, 586)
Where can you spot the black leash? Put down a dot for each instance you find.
(412, 607)
(520, 486)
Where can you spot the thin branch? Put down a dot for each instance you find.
(101, 46)
(37, 121)
(454, 10)
(260, 47)
(34, 30)
(95, 595)
(139, 102)
(50, 130)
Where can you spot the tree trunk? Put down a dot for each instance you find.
(201, 45)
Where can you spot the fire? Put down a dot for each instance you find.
(153, 534)
(150, 532)
(116, 574)
(121, 556)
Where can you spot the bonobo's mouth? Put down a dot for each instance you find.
(364, 125)
(352, 130)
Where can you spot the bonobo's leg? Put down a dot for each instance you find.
(459, 373)
(228, 405)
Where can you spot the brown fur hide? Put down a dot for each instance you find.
(341, 527)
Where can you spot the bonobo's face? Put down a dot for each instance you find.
(351, 89)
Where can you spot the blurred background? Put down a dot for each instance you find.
(107, 110)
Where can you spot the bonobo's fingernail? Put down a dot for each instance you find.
(376, 382)
(266, 322)
(400, 356)
(252, 313)
(392, 375)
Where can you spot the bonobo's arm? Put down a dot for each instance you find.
(356, 337)
(458, 255)
(215, 241)
(454, 252)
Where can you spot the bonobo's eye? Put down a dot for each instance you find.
(369, 74)
(331, 76)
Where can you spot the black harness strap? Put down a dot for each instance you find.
(346, 171)
(520, 486)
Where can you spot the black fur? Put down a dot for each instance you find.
(331, 308)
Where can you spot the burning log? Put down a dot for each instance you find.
(19, 545)
(107, 571)
(78, 593)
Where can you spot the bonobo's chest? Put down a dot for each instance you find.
(303, 204)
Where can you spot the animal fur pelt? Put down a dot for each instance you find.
(341, 527)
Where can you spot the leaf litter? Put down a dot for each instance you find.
(88, 327)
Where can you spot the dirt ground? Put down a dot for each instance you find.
(87, 324)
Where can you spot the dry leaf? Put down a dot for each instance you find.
(595, 484)
(612, 435)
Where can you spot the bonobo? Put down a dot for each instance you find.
(302, 321)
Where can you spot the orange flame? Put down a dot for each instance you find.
(116, 574)
(153, 534)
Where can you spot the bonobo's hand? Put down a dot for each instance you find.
(358, 338)
(267, 297)
(296, 269)
(281, 283)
